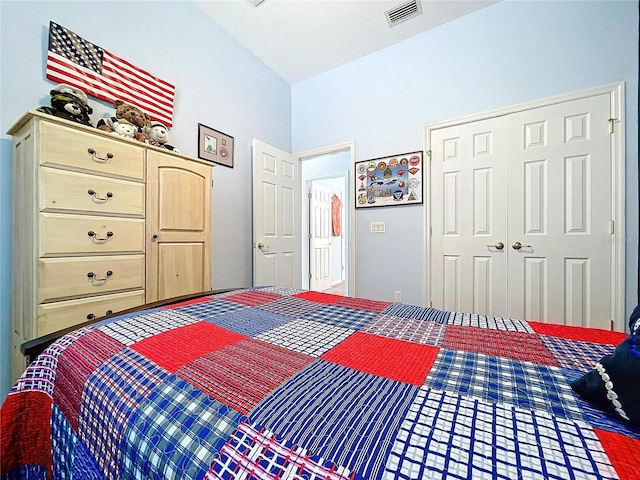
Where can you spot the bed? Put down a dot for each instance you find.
(280, 383)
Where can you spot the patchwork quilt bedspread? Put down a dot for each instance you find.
(277, 383)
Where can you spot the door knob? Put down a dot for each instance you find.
(497, 246)
(262, 246)
(518, 246)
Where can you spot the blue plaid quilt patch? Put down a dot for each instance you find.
(462, 438)
(249, 321)
(132, 329)
(419, 313)
(164, 439)
(410, 329)
(505, 381)
(116, 389)
(491, 322)
(323, 408)
(340, 316)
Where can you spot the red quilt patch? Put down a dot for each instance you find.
(578, 333)
(253, 298)
(523, 346)
(174, 348)
(386, 357)
(319, 297)
(242, 374)
(75, 365)
(25, 421)
(622, 452)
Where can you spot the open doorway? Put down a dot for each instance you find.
(326, 237)
(326, 219)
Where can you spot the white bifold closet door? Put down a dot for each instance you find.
(521, 214)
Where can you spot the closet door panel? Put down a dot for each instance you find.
(469, 228)
(560, 212)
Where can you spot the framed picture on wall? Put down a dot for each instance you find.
(215, 146)
(389, 181)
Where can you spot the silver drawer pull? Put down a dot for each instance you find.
(95, 195)
(91, 233)
(96, 158)
(95, 278)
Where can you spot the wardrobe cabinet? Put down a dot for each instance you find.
(178, 227)
(100, 224)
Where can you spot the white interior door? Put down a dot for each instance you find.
(539, 182)
(469, 217)
(560, 204)
(320, 237)
(276, 217)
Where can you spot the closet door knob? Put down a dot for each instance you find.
(497, 246)
(518, 246)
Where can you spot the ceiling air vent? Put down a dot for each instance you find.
(403, 12)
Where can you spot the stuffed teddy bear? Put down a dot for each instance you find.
(130, 113)
(158, 135)
(124, 128)
(69, 103)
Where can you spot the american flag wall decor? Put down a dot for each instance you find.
(74, 61)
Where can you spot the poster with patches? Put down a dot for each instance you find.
(389, 181)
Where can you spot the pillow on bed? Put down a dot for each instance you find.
(614, 385)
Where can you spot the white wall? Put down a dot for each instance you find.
(218, 83)
(508, 53)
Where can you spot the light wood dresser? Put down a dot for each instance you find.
(100, 224)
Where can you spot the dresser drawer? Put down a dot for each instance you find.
(58, 315)
(89, 235)
(94, 152)
(84, 276)
(65, 190)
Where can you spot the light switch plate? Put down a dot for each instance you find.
(377, 227)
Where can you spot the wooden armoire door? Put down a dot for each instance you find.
(178, 226)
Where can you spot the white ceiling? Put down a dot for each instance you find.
(302, 38)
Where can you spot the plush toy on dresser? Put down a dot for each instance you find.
(124, 128)
(69, 103)
(159, 136)
(130, 113)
